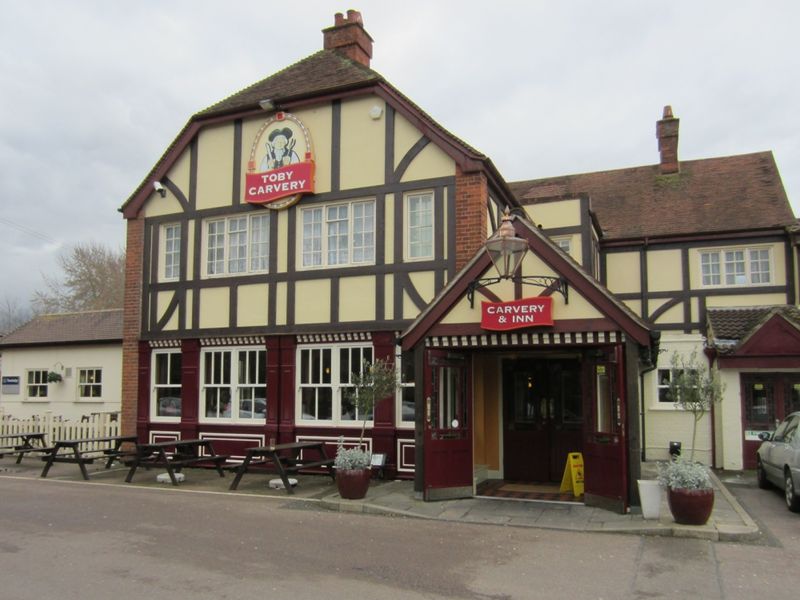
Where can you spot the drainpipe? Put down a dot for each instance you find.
(655, 337)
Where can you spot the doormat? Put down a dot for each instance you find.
(522, 490)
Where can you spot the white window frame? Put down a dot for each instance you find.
(403, 387)
(233, 385)
(335, 384)
(662, 378)
(565, 243)
(251, 250)
(92, 385)
(425, 229)
(171, 252)
(725, 261)
(40, 382)
(318, 225)
(155, 386)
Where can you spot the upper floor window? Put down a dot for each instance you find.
(234, 384)
(90, 383)
(166, 399)
(325, 372)
(237, 245)
(565, 243)
(419, 219)
(37, 383)
(172, 250)
(736, 266)
(340, 234)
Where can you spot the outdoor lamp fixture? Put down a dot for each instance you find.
(266, 104)
(507, 251)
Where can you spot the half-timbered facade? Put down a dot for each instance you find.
(319, 219)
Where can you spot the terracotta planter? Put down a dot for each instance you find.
(690, 507)
(353, 483)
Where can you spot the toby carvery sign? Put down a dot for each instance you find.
(517, 314)
(281, 166)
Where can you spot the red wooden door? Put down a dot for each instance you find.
(448, 428)
(605, 452)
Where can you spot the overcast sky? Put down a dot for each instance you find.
(92, 92)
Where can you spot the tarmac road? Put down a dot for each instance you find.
(66, 540)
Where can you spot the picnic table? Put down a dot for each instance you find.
(31, 441)
(173, 455)
(285, 459)
(85, 451)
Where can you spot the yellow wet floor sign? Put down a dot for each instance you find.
(573, 474)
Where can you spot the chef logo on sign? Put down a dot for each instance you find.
(282, 176)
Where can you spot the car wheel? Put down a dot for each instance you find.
(792, 499)
(761, 476)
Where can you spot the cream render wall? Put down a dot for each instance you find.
(664, 270)
(564, 213)
(214, 166)
(253, 305)
(357, 299)
(622, 272)
(62, 398)
(363, 144)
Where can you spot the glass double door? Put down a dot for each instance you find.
(542, 417)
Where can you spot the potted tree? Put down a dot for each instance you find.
(375, 382)
(694, 388)
(689, 492)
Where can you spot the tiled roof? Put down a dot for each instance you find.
(729, 326)
(322, 72)
(81, 327)
(710, 195)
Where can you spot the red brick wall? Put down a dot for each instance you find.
(131, 322)
(472, 194)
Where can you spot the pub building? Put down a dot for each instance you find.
(319, 219)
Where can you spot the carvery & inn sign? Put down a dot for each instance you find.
(517, 314)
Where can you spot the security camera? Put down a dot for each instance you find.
(162, 191)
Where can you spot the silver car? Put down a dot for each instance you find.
(778, 460)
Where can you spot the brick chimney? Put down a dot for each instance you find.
(348, 37)
(667, 134)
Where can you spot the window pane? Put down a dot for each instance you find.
(338, 225)
(325, 404)
(172, 251)
(759, 266)
(237, 245)
(215, 256)
(710, 267)
(312, 237)
(259, 242)
(420, 226)
(734, 267)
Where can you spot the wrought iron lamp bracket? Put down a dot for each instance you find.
(557, 284)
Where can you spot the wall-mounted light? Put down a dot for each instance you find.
(162, 191)
(507, 251)
(266, 104)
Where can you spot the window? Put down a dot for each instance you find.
(37, 383)
(419, 216)
(234, 384)
(167, 384)
(665, 376)
(90, 384)
(237, 245)
(565, 243)
(324, 373)
(405, 392)
(342, 234)
(736, 266)
(172, 251)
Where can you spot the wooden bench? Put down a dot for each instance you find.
(285, 459)
(85, 451)
(173, 455)
(28, 442)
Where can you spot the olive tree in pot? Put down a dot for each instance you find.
(375, 382)
(694, 388)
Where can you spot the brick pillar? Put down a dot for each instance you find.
(131, 322)
(472, 195)
(667, 134)
(349, 38)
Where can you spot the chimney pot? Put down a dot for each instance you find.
(348, 37)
